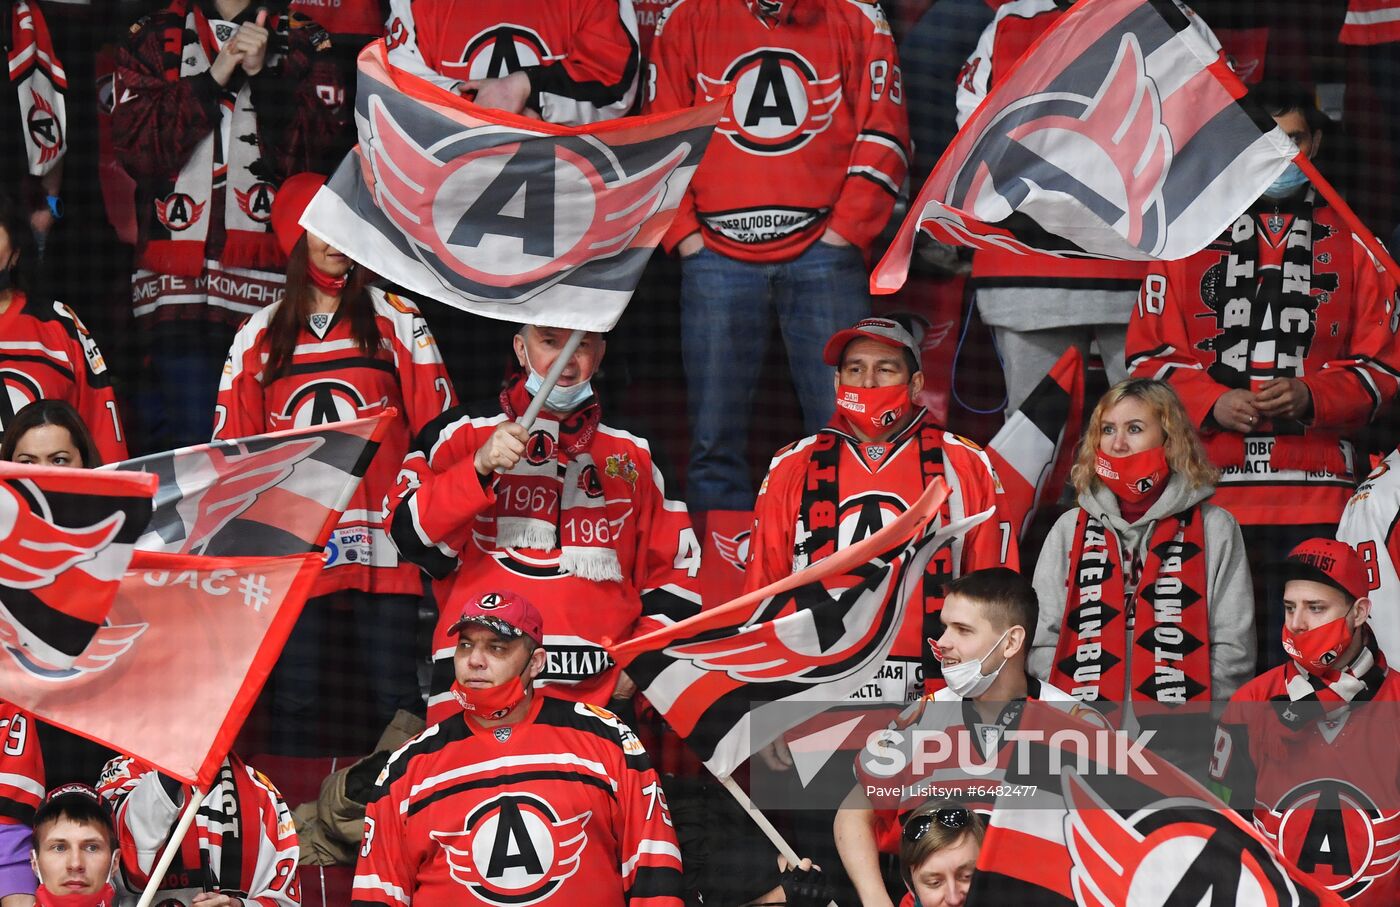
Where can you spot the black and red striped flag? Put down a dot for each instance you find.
(66, 537)
(1120, 134)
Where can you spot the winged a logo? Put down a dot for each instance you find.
(34, 551)
(42, 564)
(1336, 833)
(514, 849)
(1109, 153)
(241, 476)
(733, 548)
(779, 103)
(518, 210)
(1176, 851)
(810, 635)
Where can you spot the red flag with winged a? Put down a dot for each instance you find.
(1120, 134)
(505, 216)
(193, 640)
(1105, 826)
(66, 536)
(805, 641)
(267, 495)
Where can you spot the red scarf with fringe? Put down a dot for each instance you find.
(553, 498)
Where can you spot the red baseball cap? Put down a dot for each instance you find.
(883, 330)
(295, 193)
(1329, 562)
(508, 614)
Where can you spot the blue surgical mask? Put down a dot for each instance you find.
(1287, 183)
(560, 399)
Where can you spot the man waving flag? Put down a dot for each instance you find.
(500, 215)
(1120, 134)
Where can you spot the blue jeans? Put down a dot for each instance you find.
(174, 399)
(726, 314)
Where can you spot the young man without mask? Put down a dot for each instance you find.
(75, 854)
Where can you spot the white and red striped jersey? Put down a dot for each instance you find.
(562, 808)
(243, 841)
(330, 380)
(1371, 22)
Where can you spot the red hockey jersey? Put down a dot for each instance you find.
(1327, 793)
(581, 55)
(243, 842)
(649, 12)
(562, 808)
(1371, 22)
(46, 353)
(875, 483)
(1016, 27)
(443, 518)
(21, 767)
(330, 381)
(1188, 330)
(816, 135)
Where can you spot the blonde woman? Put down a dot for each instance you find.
(1145, 594)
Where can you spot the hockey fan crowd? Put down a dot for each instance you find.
(1224, 534)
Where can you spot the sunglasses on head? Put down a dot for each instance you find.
(953, 817)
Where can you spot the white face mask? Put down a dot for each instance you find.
(560, 399)
(966, 678)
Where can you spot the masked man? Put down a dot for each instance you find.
(75, 849)
(573, 510)
(1308, 749)
(518, 797)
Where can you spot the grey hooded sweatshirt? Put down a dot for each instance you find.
(1229, 592)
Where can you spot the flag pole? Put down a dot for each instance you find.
(1334, 198)
(551, 378)
(172, 847)
(772, 834)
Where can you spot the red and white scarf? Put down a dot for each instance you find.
(1313, 698)
(39, 82)
(553, 498)
(225, 160)
(1171, 626)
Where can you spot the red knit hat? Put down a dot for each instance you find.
(293, 196)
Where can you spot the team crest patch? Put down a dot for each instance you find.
(502, 734)
(620, 466)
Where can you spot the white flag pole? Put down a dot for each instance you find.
(172, 847)
(551, 378)
(772, 834)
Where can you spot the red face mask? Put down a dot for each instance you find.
(489, 703)
(324, 281)
(1135, 476)
(107, 897)
(1318, 649)
(872, 410)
